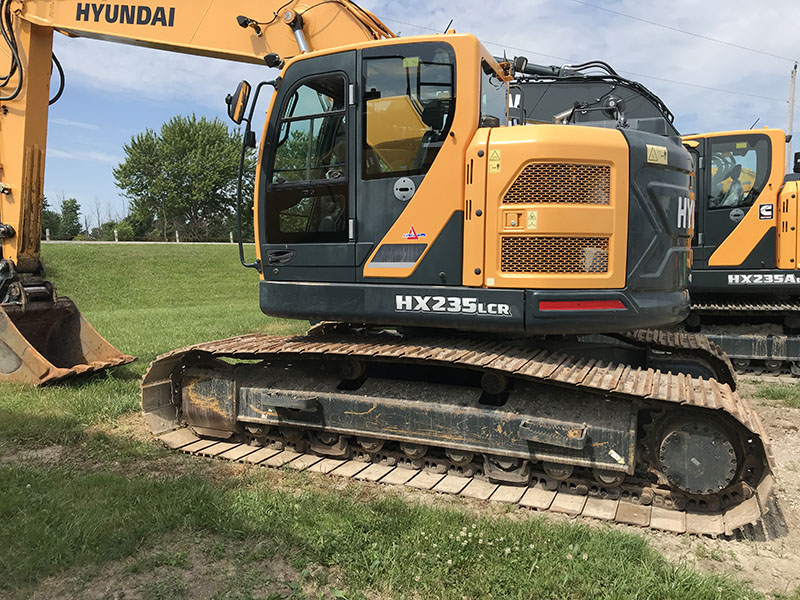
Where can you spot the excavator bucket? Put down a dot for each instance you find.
(48, 341)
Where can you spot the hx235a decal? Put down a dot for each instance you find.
(450, 304)
(763, 279)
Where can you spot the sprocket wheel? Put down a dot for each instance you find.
(696, 455)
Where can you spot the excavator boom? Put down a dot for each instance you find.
(43, 337)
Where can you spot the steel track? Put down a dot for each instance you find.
(738, 506)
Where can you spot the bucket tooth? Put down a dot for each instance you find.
(50, 340)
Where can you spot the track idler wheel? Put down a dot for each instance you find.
(370, 445)
(414, 451)
(697, 456)
(460, 458)
(608, 478)
(558, 472)
(505, 469)
(330, 444)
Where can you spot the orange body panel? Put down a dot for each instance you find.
(538, 224)
(475, 210)
(788, 224)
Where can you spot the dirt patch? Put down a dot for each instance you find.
(132, 427)
(191, 568)
(46, 456)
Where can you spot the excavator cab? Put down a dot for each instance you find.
(391, 190)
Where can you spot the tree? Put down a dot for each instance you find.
(50, 220)
(70, 219)
(184, 177)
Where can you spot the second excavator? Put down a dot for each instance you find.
(744, 283)
(455, 266)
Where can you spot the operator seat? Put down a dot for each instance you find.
(735, 195)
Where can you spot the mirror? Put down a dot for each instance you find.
(237, 103)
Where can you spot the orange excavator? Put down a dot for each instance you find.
(471, 280)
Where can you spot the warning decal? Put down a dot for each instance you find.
(657, 155)
(494, 161)
(533, 220)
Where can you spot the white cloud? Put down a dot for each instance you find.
(151, 74)
(76, 124)
(100, 157)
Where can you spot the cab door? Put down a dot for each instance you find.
(308, 178)
(735, 171)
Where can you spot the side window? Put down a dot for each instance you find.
(739, 170)
(494, 98)
(312, 136)
(308, 192)
(409, 102)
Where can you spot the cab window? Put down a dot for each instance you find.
(311, 141)
(409, 100)
(494, 98)
(739, 169)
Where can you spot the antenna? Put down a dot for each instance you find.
(754, 122)
(790, 124)
(448, 26)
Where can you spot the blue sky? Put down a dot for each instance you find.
(115, 91)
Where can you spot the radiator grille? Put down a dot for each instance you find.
(562, 183)
(554, 254)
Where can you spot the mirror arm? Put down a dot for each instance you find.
(248, 133)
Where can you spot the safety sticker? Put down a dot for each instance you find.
(413, 235)
(411, 62)
(533, 220)
(657, 155)
(494, 161)
(765, 212)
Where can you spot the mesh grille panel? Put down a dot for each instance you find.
(554, 254)
(561, 183)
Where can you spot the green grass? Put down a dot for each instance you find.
(110, 499)
(146, 299)
(150, 298)
(784, 395)
(54, 519)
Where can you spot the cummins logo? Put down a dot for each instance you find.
(125, 14)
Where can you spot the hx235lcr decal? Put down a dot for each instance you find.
(125, 14)
(450, 304)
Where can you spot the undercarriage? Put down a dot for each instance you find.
(599, 426)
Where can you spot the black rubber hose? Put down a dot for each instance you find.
(60, 91)
(7, 30)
